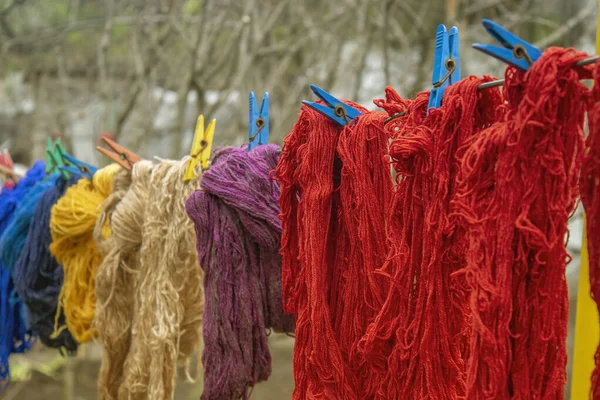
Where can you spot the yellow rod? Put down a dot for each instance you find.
(587, 326)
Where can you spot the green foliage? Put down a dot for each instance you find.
(91, 9)
(76, 39)
(120, 41)
(57, 12)
(192, 7)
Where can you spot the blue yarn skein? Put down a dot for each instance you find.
(14, 335)
(13, 238)
(39, 277)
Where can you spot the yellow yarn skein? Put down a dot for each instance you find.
(72, 223)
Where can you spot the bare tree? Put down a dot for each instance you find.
(117, 53)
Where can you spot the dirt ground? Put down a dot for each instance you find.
(85, 371)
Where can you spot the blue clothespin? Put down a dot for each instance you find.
(335, 109)
(258, 121)
(446, 64)
(77, 167)
(517, 52)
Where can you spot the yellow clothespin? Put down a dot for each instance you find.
(201, 147)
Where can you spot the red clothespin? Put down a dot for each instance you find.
(6, 159)
(7, 168)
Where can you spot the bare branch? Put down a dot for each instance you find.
(4, 14)
(126, 110)
(387, 5)
(569, 25)
(480, 6)
(367, 44)
(103, 48)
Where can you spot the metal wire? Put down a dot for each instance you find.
(393, 117)
(500, 82)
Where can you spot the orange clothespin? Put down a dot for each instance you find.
(119, 154)
(201, 147)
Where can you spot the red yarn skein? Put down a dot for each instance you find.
(516, 192)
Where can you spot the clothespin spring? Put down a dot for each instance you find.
(84, 170)
(260, 123)
(125, 158)
(339, 111)
(203, 145)
(520, 52)
(451, 67)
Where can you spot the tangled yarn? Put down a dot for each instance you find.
(335, 188)
(365, 190)
(305, 171)
(236, 215)
(72, 223)
(169, 301)
(15, 336)
(590, 197)
(517, 188)
(39, 277)
(118, 273)
(424, 318)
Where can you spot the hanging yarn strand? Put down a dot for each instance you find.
(424, 314)
(14, 237)
(169, 301)
(335, 193)
(236, 216)
(118, 273)
(15, 336)
(590, 197)
(364, 193)
(517, 189)
(39, 277)
(306, 168)
(72, 223)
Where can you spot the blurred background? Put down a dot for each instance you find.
(141, 72)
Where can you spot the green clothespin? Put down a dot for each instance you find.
(60, 150)
(49, 161)
(54, 158)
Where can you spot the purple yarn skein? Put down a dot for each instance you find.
(236, 215)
